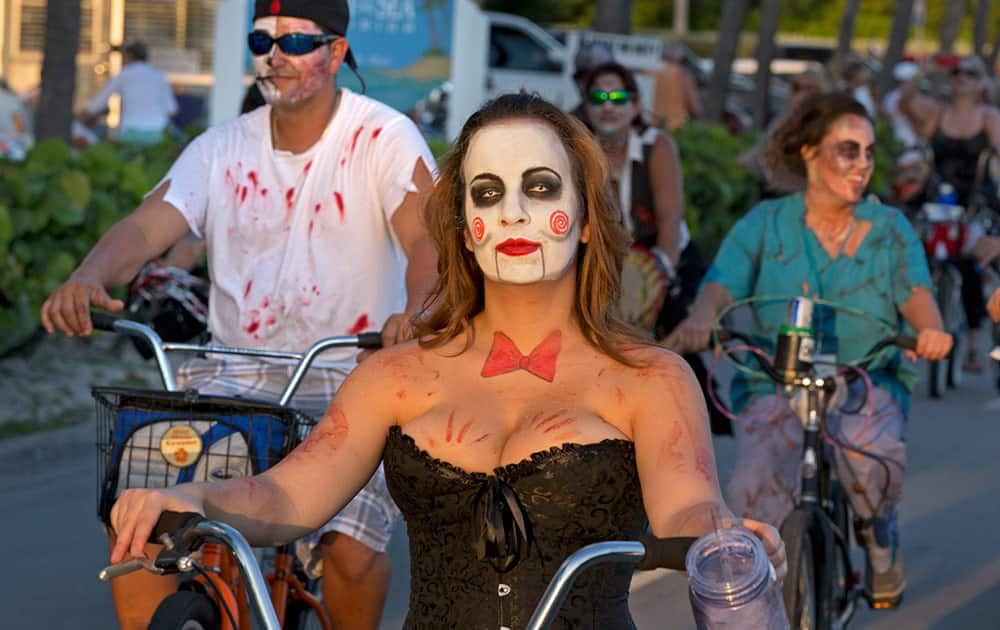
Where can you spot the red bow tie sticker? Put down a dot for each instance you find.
(505, 357)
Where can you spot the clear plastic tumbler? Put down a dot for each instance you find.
(732, 583)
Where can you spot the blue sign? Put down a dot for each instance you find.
(395, 34)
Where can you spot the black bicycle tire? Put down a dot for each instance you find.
(840, 513)
(180, 609)
(796, 532)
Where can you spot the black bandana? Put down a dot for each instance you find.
(332, 15)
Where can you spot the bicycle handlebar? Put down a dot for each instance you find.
(108, 323)
(187, 530)
(904, 342)
(647, 553)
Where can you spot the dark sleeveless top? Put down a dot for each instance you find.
(483, 547)
(955, 160)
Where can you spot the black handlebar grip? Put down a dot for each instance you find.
(664, 553)
(906, 342)
(103, 321)
(171, 523)
(370, 340)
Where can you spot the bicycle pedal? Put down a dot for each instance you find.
(885, 604)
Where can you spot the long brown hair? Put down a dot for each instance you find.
(458, 296)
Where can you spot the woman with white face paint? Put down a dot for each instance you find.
(826, 242)
(527, 421)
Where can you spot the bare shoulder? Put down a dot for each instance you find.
(657, 362)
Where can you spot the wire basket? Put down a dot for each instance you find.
(156, 439)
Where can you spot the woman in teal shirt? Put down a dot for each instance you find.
(826, 243)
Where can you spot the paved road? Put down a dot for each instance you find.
(54, 546)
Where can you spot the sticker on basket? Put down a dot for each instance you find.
(180, 446)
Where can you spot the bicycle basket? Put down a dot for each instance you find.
(155, 439)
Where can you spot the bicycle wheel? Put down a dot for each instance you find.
(799, 588)
(186, 610)
(842, 580)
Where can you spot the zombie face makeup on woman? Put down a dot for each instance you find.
(522, 209)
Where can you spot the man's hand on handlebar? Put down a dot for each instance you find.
(68, 308)
(933, 345)
(136, 512)
(397, 329)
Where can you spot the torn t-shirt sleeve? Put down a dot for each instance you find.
(396, 150)
(189, 179)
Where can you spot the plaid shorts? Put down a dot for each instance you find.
(371, 514)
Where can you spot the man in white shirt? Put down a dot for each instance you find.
(147, 102)
(311, 208)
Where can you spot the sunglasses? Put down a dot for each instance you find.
(261, 42)
(619, 98)
(969, 72)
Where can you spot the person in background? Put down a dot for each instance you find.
(147, 100)
(16, 128)
(902, 127)
(959, 131)
(675, 97)
(826, 242)
(857, 81)
(645, 175)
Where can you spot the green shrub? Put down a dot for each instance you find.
(53, 207)
(717, 191)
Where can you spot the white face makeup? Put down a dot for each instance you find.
(521, 205)
(289, 79)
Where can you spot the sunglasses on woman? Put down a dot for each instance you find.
(619, 98)
(968, 72)
(261, 42)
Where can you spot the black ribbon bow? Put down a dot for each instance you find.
(504, 527)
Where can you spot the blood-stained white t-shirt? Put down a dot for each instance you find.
(300, 246)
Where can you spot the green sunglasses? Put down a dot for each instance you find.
(616, 97)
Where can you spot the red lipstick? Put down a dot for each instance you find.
(517, 247)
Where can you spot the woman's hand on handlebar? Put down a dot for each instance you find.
(136, 512)
(68, 308)
(691, 335)
(773, 544)
(933, 345)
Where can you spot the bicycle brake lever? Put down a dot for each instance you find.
(128, 566)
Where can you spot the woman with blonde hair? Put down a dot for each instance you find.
(525, 421)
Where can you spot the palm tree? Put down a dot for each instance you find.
(54, 118)
(951, 23)
(980, 25)
(897, 41)
(769, 10)
(734, 13)
(613, 16)
(844, 36)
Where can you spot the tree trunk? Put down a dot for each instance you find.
(734, 13)
(54, 118)
(769, 11)
(951, 24)
(897, 42)
(681, 17)
(845, 34)
(613, 16)
(980, 27)
(991, 63)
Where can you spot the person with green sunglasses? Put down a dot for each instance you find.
(645, 173)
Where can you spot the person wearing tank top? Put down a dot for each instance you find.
(523, 422)
(959, 131)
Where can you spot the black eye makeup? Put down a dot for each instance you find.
(542, 183)
(851, 150)
(486, 189)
